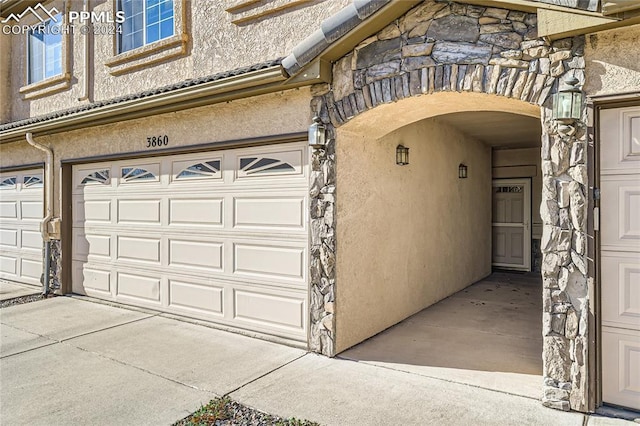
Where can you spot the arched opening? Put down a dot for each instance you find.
(420, 240)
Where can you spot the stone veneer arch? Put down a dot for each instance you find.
(435, 50)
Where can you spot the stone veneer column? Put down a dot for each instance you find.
(322, 260)
(566, 310)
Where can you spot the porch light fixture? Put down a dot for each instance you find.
(567, 103)
(317, 134)
(462, 171)
(402, 155)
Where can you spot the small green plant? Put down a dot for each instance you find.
(215, 410)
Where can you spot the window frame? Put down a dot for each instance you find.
(155, 52)
(58, 82)
(30, 34)
(145, 24)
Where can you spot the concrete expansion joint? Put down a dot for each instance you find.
(266, 374)
(144, 370)
(57, 341)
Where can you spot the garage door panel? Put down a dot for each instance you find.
(30, 268)
(196, 212)
(138, 249)
(622, 128)
(9, 265)
(92, 211)
(621, 307)
(31, 240)
(9, 237)
(196, 254)
(95, 245)
(97, 280)
(273, 212)
(621, 358)
(139, 211)
(205, 299)
(282, 262)
(620, 197)
(138, 287)
(92, 281)
(8, 209)
(31, 210)
(269, 310)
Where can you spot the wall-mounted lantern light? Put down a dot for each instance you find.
(317, 134)
(402, 155)
(462, 171)
(567, 103)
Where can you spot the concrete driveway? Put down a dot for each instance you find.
(69, 361)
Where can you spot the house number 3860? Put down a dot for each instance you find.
(157, 141)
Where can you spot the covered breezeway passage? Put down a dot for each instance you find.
(488, 335)
(436, 236)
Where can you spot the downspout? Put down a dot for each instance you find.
(48, 198)
(85, 88)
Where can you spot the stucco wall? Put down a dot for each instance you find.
(216, 45)
(404, 232)
(514, 163)
(272, 114)
(613, 61)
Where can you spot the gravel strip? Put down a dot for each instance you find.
(22, 300)
(225, 412)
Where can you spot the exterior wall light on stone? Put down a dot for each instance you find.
(462, 171)
(317, 134)
(567, 103)
(402, 155)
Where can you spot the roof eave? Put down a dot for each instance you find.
(267, 80)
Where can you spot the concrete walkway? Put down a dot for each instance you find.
(488, 335)
(67, 361)
(10, 290)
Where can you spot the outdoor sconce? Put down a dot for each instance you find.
(402, 155)
(317, 134)
(567, 103)
(462, 171)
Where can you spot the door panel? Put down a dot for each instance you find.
(511, 223)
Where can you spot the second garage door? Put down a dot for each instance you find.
(220, 236)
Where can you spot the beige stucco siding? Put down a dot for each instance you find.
(266, 115)
(613, 61)
(215, 45)
(407, 236)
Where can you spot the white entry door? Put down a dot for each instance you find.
(620, 255)
(220, 236)
(21, 210)
(511, 224)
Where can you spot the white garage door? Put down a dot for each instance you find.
(220, 236)
(21, 210)
(620, 255)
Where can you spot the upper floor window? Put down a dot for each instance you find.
(146, 21)
(45, 50)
